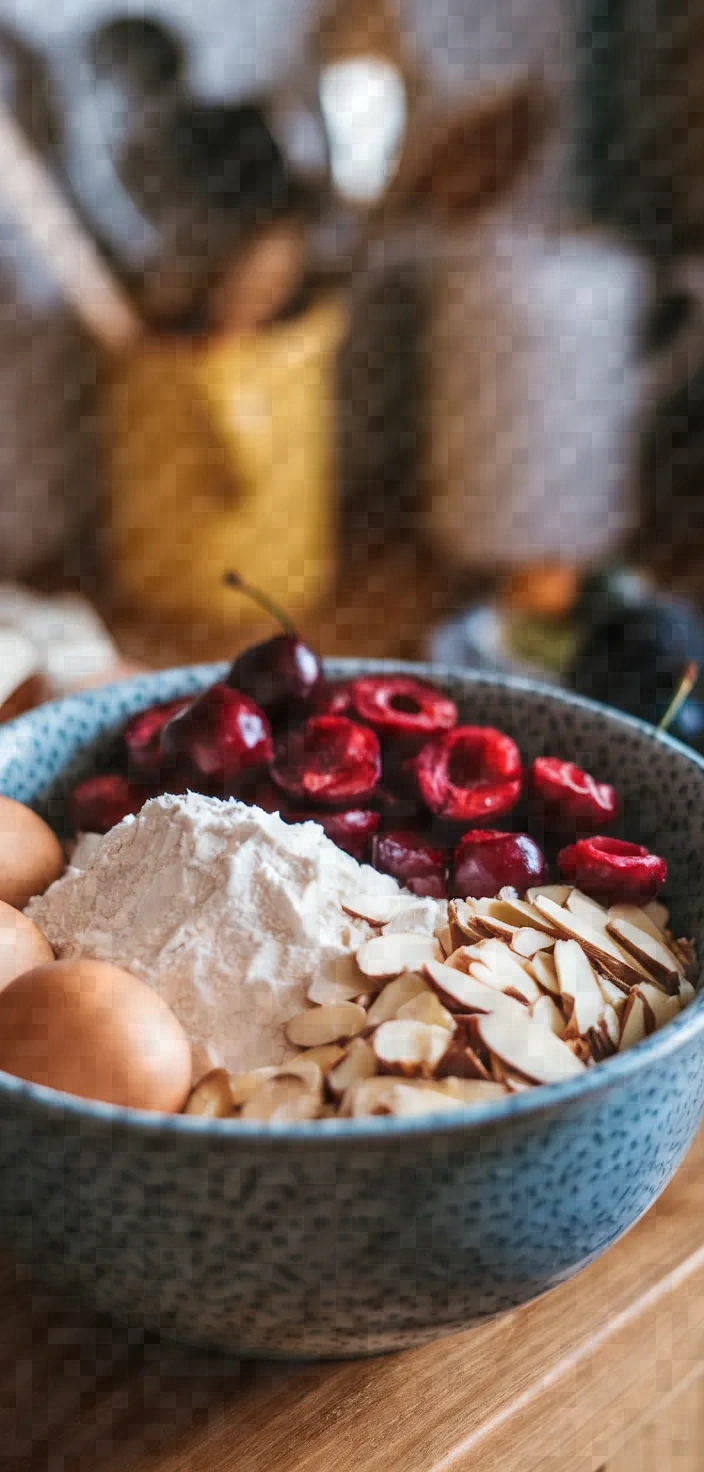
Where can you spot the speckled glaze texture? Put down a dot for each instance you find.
(352, 1237)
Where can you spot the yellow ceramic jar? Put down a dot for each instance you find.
(221, 455)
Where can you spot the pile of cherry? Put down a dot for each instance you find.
(383, 765)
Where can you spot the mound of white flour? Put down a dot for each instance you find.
(224, 909)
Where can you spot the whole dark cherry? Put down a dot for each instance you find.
(570, 800)
(98, 803)
(613, 871)
(403, 711)
(330, 761)
(142, 737)
(416, 863)
(282, 675)
(485, 860)
(222, 738)
(469, 774)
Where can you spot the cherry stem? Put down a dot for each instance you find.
(233, 580)
(688, 680)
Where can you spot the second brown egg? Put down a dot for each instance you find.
(22, 945)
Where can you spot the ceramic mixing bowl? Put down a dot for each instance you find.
(350, 1237)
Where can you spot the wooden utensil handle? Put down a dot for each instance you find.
(67, 250)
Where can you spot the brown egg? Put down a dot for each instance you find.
(22, 945)
(92, 1029)
(31, 857)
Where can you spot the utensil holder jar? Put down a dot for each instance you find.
(221, 455)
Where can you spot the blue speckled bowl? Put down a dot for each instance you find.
(358, 1236)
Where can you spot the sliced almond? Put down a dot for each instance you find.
(395, 1097)
(492, 977)
(393, 996)
(542, 966)
(528, 1047)
(413, 1049)
(527, 942)
(600, 947)
(516, 1083)
(508, 892)
(469, 1091)
(635, 916)
(659, 914)
(359, 1062)
(390, 955)
(325, 1057)
(338, 979)
(497, 1069)
(646, 947)
(320, 1025)
(461, 959)
(325, 992)
(599, 1045)
(661, 1007)
(212, 1097)
(610, 1029)
(301, 1067)
(461, 993)
(461, 923)
(419, 917)
(497, 954)
(377, 908)
(686, 993)
(283, 1100)
(515, 913)
(426, 1007)
(462, 1061)
(244, 1085)
(558, 893)
(444, 937)
(581, 1048)
(685, 952)
(613, 995)
(634, 1024)
(579, 987)
(546, 1011)
(509, 968)
(581, 904)
(489, 923)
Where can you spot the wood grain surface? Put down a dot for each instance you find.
(604, 1371)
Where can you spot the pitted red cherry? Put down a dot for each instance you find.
(402, 710)
(571, 799)
(469, 774)
(330, 760)
(613, 871)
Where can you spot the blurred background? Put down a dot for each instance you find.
(396, 307)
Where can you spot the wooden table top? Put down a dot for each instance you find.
(558, 1386)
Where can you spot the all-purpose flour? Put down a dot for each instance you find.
(224, 909)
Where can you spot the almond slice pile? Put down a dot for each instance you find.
(455, 1006)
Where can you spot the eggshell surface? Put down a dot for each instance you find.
(22, 945)
(94, 1030)
(31, 857)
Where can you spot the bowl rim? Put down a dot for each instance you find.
(546, 1099)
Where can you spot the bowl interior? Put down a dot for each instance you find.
(661, 784)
